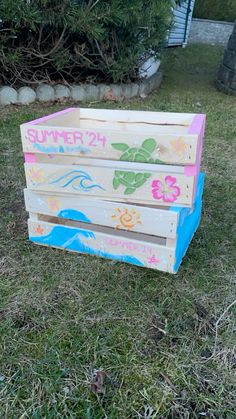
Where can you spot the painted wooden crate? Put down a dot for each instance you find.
(102, 152)
(148, 237)
(125, 191)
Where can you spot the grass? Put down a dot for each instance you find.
(212, 9)
(155, 336)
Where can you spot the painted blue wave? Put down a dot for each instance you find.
(188, 224)
(72, 214)
(61, 149)
(76, 179)
(70, 238)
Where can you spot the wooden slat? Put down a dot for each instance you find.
(170, 148)
(117, 183)
(111, 246)
(154, 221)
(119, 165)
(73, 116)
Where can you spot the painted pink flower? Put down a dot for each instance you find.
(167, 190)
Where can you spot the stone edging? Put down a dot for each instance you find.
(79, 93)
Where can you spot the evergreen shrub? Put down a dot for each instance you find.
(78, 40)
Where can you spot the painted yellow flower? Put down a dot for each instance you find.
(36, 175)
(126, 219)
(179, 146)
(53, 203)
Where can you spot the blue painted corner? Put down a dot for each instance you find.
(185, 234)
(188, 225)
(71, 239)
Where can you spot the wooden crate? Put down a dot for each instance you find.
(158, 240)
(131, 176)
(63, 154)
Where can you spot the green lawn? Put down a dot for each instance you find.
(156, 336)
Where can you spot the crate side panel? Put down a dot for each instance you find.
(125, 185)
(186, 233)
(104, 245)
(159, 118)
(121, 216)
(187, 228)
(151, 144)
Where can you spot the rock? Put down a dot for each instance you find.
(61, 91)
(148, 85)
(8, 95)
(116, 92)
(104, 90)
(143, 95)
(92, 92)
(127, 91)
(26, 95)
(45, 93)
(78, 93)
(134, 89)
(144, 88)
(155, 81)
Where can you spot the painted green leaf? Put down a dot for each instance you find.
(140, 158)
(129, 191)
(147, 175)
(129, 176)
(140, 183)
(149, 145)
(115, 183)
(138, 177)
(133, 150)
(159, 161)
(120, 146)
(125, 156)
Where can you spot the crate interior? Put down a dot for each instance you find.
(132, 235)
(126, 121)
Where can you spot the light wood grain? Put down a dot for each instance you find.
(98, 182)
(94, 132)
(99, 243)
(153, 221)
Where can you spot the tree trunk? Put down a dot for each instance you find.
(226, 77)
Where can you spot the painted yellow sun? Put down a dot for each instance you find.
(36, 175)
(53, 203)
(179, 146)
(126, 218)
